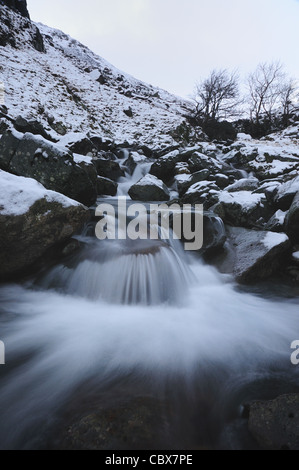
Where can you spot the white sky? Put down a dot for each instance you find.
(174, 43)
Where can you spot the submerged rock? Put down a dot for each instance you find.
(274, 424)
(149, 188)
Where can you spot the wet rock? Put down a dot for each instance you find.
(133, 161)
(149, 188)
(105, 186)
(253, 255)
(134, 424)
(292, 221)
(109, 169)
(274, 424)
(54, 167)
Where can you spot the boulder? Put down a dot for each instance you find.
(242, 208)
(244, 184)
(286, 193)
(105, 186)
(34, 127)
(33, 221)
(149, 188)
(109, 169)
(204, 192)
(198, 161)
(214, 233)
(134, 423)
(292, 220)
(164, 167)
(52, 165)
(253, 255)
(277, 221)
(184, 181)
(274, 424)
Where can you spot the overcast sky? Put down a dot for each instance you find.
(174, 43)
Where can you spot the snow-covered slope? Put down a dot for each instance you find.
(71, 85)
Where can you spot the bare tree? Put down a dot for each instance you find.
(217, 97)
(288, 95)
(265, 90)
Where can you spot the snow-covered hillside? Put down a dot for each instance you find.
(74, 90)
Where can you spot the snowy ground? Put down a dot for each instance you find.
(63, 84)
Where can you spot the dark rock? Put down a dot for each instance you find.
(102, 80)
(164, 167)
(292, 221)
(83, 147)
(109, 169)
(18, 5)
(244, 184)
(204, 192)
(134, 424)
(25, 239)
(253, 255)
(277, 222)
(34, 157)
(199, 161)
(286, 194)
(149, 188)
(222, 181)
(274, 424)
(183, 184)
(106, 186)
(128, 112)
(239, 209)
(34, 127)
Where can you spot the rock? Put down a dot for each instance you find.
(274, 424)
(134, 424)
(204, 192)
(128, 112)
(133, 160)
(222, 181)
(105, 186)
(184, 182)
(11, 24)
(214, 233)
(83, 147)
(242, 208)
(18, 5)
(286, 194)
(34, 223)
(149, 188)
(292, 221)
(244, 184)
(34, 127)
(164, 167)
(199, 161)
(109, 169)
(254, 255)
(277, 221)
(54, 167)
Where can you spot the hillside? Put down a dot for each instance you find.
(67, 85)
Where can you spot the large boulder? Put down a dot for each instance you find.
(33, 221)
(292, 220)
(51, 165)
(286, 193)
(109, 169)
(164, 167)
(105, 186)
(242, 208)
(274, 424)
(253, 255)
(149, 188)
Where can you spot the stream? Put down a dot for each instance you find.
(134, 319)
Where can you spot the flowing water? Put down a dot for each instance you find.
(149, 319)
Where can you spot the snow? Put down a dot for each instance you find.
(273, 239)
(296, 256)
(280, 216)
(151, 180)
(21, 193)
(80, 158)
(64, 82)
(246, 199)
(242, 136)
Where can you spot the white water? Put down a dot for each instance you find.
(145, 311)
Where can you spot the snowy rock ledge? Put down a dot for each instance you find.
(33, 220)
